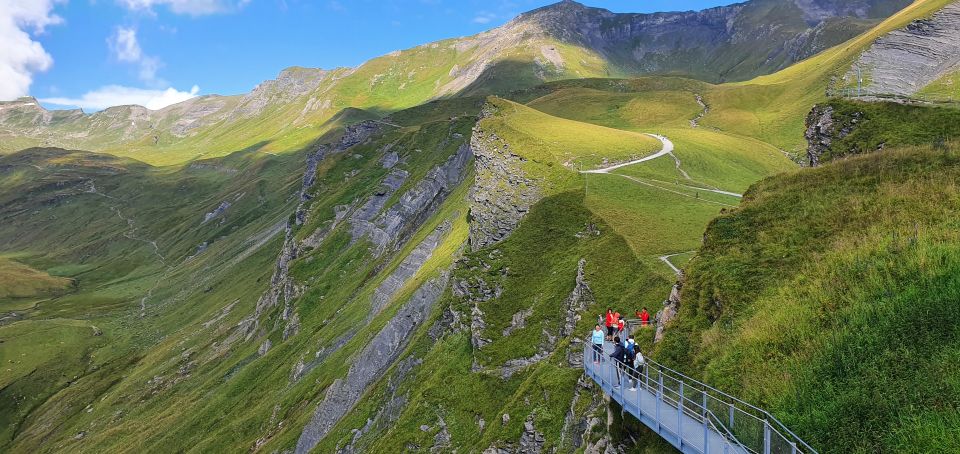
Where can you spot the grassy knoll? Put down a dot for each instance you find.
(20, 281)
(828, 294)
(547, 139)
(875, 126)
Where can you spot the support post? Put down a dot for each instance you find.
(680, 417)
(706, 426)
(659, 397)
(766, 437)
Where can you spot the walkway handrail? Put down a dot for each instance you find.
(762, 430)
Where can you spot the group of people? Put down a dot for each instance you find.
(616, 324)
(625, 352)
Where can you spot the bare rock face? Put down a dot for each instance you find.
(386, 291)
(669, 312)
(398, 222)
(824, 127)
(701, 43)
(819, 133)
(906, 60)
(292, 83)
(502, 195)
(377, 356)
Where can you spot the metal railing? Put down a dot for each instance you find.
(740, 426)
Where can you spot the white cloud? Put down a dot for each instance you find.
(21, 56)
(483, 17)
(126, 48)
(190, 7)
(125, 45)
(117, 95)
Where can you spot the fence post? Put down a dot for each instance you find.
(731, 417)
(680, 417)
(766, 437)
(706, 434)
(659, 397)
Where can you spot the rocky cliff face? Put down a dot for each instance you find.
(904, 61)
(502, 194)
(769, 34)
(824, 127)
(819, 133)
(379, 354)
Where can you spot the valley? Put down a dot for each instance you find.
(407, 256)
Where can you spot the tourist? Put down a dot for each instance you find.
(610, 323)
(639, 363)
(618, 355)
(597, 340)
(621, 324)
(631, 352)
(644, 317)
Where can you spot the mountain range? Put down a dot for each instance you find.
(407, 256)
(562, 41)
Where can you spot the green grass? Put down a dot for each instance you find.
(555, 142)
(947, 88)
(20, 281)
(828, 298)
(875, 126)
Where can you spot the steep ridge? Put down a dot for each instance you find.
(797, 300)
(562, 41)
(386, 293)
(903, 62)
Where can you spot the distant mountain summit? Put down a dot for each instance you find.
(566, 40)
(727, 43)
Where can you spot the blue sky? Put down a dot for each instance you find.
(95, 53)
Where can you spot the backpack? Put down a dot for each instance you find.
(639, 361)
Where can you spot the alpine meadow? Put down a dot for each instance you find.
(418, 253)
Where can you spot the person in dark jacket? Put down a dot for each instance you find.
(619, 355)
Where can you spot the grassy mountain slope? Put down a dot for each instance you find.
(562, 41)
(348, 300)
(829, 293)
(772, 108)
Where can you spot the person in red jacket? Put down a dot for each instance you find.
(609, 323)
(644, 317)
(621, 324)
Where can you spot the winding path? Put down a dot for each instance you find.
(666, 259)
(667, 149)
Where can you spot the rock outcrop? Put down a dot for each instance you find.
(282, 288)
(904, 61)
(579, 299)
(219, 210)
(671, 305)
(819, 133)
(379, 353)
(397, 223)
(502, 194)
(669, 312)
(823, 129)
(386, 291)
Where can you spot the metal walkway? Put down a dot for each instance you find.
(710, 421)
